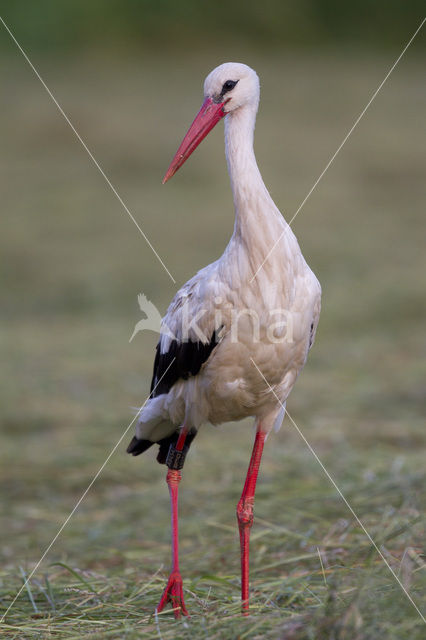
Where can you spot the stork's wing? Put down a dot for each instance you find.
(183, 359)
(191, 321)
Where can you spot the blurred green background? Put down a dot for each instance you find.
(179, 26)
(129, 75)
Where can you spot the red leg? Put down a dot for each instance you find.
(173, 592)
(245, 514)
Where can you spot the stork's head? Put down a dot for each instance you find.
(227, 88)
(233, 85)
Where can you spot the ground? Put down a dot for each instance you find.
(72, 265)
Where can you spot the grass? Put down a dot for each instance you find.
(72, 266)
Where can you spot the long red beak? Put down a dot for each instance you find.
(208, 116)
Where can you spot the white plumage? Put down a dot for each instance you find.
(224, 297)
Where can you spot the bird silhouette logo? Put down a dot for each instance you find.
(152, 321)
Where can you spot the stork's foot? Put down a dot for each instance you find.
(173, 593)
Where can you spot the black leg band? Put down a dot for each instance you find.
(175, 459)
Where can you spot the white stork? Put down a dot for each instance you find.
(224, 325)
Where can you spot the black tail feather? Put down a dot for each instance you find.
(138, 446)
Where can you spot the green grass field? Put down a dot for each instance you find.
(72, 264)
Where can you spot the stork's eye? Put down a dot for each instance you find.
(228, 86)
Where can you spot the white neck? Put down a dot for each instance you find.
(256, 216)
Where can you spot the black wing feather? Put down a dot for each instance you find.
(182, 360)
